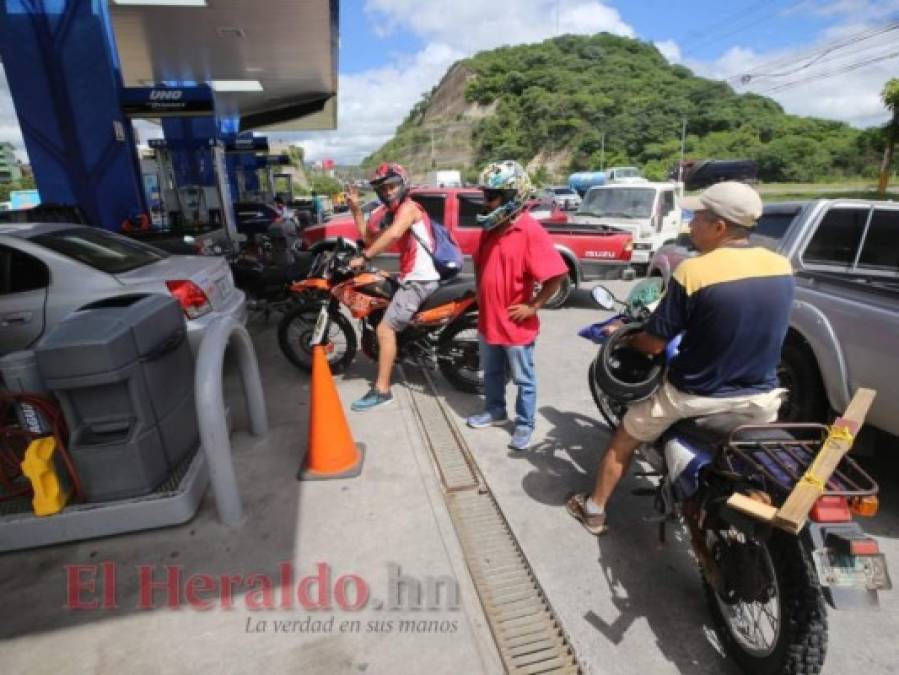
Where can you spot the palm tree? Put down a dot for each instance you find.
(890, 96)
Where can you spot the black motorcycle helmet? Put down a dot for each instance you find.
(625, 374)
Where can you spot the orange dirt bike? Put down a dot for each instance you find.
(442, 334)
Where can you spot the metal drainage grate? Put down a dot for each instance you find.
(527, 633)
(456, 471)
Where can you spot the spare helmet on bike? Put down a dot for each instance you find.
(508, 180)
(387, 175)
(624, 373)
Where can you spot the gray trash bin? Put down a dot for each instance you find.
(124, 376)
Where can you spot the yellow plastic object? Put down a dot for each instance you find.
(49, 497)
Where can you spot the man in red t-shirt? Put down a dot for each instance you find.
(514, 254)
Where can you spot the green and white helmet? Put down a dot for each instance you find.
(509, 179)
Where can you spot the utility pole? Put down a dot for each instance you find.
(602, 153)
(683, 144)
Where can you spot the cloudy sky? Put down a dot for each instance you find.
(827, 58)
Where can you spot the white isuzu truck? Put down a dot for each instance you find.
(649, 211)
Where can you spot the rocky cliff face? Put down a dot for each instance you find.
(438, 135)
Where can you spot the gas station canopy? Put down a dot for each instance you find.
(272, 64)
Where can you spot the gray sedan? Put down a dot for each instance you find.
(48, 271)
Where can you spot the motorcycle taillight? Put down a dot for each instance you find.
(831, 509)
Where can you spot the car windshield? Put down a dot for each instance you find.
(100, 249)
(563, 191)
(628, 173)
(618, 203)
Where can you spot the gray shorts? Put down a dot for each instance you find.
(406, 302)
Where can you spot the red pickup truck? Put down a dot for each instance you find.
(592, 252)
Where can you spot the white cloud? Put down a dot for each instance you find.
(9, 122)
(852, 96)
(372, 104)
(670, 50)
(471, 25)
(859, 10)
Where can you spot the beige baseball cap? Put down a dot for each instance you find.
(736, 202)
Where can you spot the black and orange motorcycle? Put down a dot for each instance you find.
(442, 335)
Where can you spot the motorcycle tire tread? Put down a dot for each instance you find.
(803, 643)
(338, 366)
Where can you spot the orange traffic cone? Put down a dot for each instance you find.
(331, 452)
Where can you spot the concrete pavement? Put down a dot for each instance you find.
(389, 520)
(629, 604)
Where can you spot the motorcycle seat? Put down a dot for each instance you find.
(715, 429)
(448, 291)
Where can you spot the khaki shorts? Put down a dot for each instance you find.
(406, 301)
(647, 420)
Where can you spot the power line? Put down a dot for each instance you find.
(705, 30)
(819, 54)
(789, 58)
(826, 74)
(718, 37)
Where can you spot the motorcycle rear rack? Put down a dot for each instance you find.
(792, 458)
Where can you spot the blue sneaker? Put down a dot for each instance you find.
(484, 420)
(521, 438)
(372, 399)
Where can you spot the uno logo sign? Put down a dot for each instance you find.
(165, 95)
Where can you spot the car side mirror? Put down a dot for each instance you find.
(603, 297)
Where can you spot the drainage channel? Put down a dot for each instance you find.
(527, 633)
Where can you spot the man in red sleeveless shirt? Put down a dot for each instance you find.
(418, 277)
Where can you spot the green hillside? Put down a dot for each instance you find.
(548, 105)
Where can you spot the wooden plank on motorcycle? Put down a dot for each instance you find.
(752, 507)
(794, 512)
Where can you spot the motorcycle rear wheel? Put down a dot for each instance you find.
(295, 331)
(459, 355)
(787, 633)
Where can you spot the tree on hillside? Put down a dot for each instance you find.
(890, 95)
(614, 100)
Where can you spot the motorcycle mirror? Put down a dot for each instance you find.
(603, 297)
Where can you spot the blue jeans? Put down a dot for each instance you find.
(520, 361)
